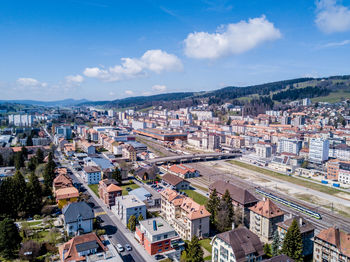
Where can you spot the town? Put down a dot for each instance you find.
(198, 183)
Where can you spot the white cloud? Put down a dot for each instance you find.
(74, 79)
(151, 61)
(129, 92)
(230, 39)
(332, 17)
(335, 44)
(30, 82)
(159, 88)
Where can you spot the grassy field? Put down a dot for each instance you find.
(311, 185)
(94, 188)
(205, 243)
(132, 186)
(333, 96)
(200, 199)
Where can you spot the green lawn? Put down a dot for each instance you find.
(34, 223)
(94, 188)
(297, 181)
(132, 186)
(205, 243)
(200, 199)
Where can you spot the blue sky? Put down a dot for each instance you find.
(109, 49)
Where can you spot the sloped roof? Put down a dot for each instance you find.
(240, 195)
(243, 242)
(67, 192)
(304, 225)
(173, 179)
(74, 210)
(337, 238)
(267, 209)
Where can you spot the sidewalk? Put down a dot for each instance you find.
(129, 235)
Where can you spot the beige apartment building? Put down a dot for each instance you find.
(187, 217)
(332, 244)
(264, 217)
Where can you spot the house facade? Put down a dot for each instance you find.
(108, 190)
(126, 206)
(92, 174)
(187, 217)
(78, 218)
(237, 245)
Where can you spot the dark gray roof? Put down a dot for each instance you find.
(243, 243)
(86, 246)
(304, 225)
(280, 258)
(240, 195)
(72, 211)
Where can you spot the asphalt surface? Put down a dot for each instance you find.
(116, 236)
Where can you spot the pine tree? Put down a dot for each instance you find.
(24, 151)
(194, 251)
(49, 172)
(8, 198)
(19, 160)
(275, 244)
(228, 200)
(293, 243)
(213, 205)
(132, 223)
(9, 238)
(39, 156)
(29, 141)
(19, 189)
(117, 176)
(1, 160)
(33, 195)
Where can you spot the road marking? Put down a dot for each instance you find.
(100, 213)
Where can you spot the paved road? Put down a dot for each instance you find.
(114, 228)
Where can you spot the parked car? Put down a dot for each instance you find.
(128, 189)
(128, 247)
(120, 248)
(159, 257)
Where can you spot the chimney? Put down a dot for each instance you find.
(233, 225)
(300, 221)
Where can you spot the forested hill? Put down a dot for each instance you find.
(331, 89)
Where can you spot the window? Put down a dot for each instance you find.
(165, 236)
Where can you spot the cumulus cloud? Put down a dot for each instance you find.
(332, 17)
(129, 92)
(30, 82)
(151, 61)
(231, 39)
(74, 79)
(159, 88)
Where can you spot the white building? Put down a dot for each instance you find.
(126, 206)
(263, 150)
(306, 101)
(78, 218)
(138, 124)
(92, 174)
(111, 113)
(318, 150)
(203, 115)
(292, 146)
(21, 120)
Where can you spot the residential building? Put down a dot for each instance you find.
(187, 217)
(318, 150)
(306, 230)
(21, 120)
(138, 124)
(156, 235)
(108, 190)
(242, 199)
(338, 171)
(183, 171)
(213, 142)
(62, 180)
(129, 153)
(64, 130)
(66, 195)
(78, 218)
(239, 245)
(88, 147)
(292, 146)
(92, 174)
(175, 182)
(263, 150)
(332, 244)
(148, 172)
(88, 247)
(127, 206)
(264, 217)
(306, 101)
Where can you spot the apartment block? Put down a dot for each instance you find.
(187, 217)
(126, 206)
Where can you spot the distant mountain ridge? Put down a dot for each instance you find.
(64, 102)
